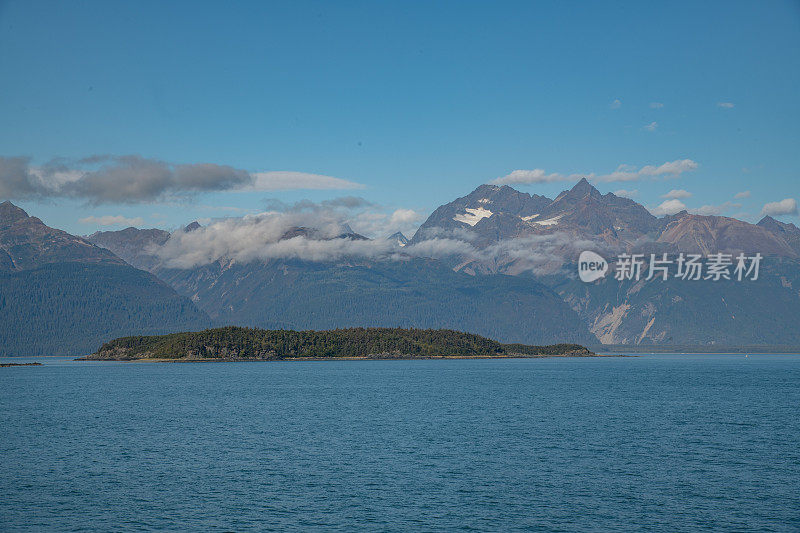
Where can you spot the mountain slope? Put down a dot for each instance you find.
(26, 242)
(61, 295)
(414, 293)
(789, 232)
(710, 234)
(675, 311)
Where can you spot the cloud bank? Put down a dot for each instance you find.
(132, 179)
(323, 234)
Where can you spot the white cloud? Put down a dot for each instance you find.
(287, 180)
(616, 104)
(743, 194)
(537, 175)
(656, 105)
(670, 169)
(405, 217)
(726, 105)
(652, 126)
(133, 179)
(668, 207)
(112, 220)
(787, 206)
(264, 237)
(627, 193)
(677, 194)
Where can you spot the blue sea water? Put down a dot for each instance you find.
(658, 443)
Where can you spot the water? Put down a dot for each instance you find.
(662, 442)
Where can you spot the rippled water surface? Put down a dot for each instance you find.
(664, 442)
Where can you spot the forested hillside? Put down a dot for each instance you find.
(70, 308)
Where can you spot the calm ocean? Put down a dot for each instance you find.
(658, 442)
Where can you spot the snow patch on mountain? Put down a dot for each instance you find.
(472, 216)
(548, 222)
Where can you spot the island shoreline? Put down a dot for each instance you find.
(345, 358)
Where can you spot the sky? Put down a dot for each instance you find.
(155, 114)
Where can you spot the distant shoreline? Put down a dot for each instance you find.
(696, 350)
(343, 358)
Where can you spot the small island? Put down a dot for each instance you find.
(252, 344)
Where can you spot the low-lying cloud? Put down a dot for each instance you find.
(323, 235)
(132, 179)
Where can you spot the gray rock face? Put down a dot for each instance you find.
(133, 245)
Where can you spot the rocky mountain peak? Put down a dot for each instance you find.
(777, 226)
(581, 190)
(10, 213)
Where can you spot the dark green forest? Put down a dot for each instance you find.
(251, 343)
(70, 308)
(393, 294)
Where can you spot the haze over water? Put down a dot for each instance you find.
(665, 442)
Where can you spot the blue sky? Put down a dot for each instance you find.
(416, 102)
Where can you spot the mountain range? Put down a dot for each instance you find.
(633, 312)
(508, 272)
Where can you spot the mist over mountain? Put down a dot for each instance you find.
(305, 278)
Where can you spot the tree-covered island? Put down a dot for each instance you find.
(238, 344)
